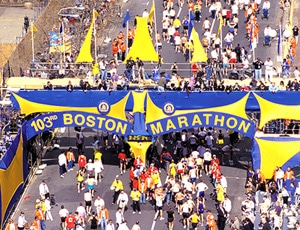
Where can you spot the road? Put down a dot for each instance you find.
(168, 53)
(65, 190)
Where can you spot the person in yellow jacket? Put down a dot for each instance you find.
(156, 178)
(117, 186)
(135, 196)
(220, 192)
(95, 70)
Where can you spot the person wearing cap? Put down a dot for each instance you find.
(21, 221)
(44, 190)
(116, 186)
(135, 196)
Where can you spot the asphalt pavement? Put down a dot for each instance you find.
(65, 189)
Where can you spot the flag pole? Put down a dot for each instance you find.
(155, 27)
(127, 29)
(32, 40)
(63, 40)
(95, 35)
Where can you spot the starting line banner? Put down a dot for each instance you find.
(64, 119)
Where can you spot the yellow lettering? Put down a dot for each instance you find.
(170, 125)
(181, 121)
(68, 119)
(100, 124)
(196, 120)
(79, 119)
(110, 125)
(229, 121)
(244, 126)
(121, 128)
(207, 116)
(144, 138)
(156, 129)
(90, 121)
(219, 120)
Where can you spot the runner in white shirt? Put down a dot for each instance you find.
(201, 187)
(99, 203)
(207, 160)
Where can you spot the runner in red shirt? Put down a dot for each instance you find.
(123, 161)
(70, 221)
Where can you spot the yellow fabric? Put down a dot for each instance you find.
(139, 101)
(11, 178)
(97, 155)
(236, 109)
(220, 26)
(85, 51)
(176, 23)
(28, 107)
(275, 153)
(140, 149)
(95, 68)
(142, 46)
(118, 186)
(199, 54)
(135, 195)
(267, 109)
(151, 14)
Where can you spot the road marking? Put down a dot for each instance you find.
(153, 224)
(236, 178)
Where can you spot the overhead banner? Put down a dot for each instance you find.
(169, 116)
(201, 119)
(65, 119)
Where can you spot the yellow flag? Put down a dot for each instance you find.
(95, 14)
(33, 30)
(85, 50)
(151, 14)
(199, 54)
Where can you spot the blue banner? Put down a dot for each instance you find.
(65, 119)
(203, 119)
